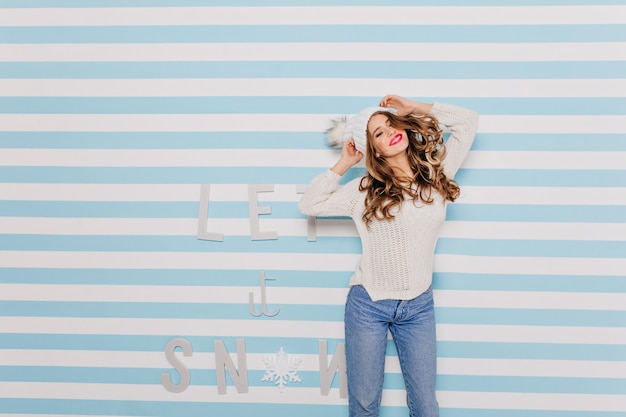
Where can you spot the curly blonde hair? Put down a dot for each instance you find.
(426, 151)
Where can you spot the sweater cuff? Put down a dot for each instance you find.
(331, 175)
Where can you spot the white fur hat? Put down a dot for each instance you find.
(352, 127)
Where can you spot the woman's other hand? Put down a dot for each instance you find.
(405, 106)
(350, 155)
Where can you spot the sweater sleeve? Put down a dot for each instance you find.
(463, 124)
(325, 197)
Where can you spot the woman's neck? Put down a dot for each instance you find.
(401, 167)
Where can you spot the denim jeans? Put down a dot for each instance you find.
(412, 326)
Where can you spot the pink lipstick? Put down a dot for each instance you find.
(396, 139)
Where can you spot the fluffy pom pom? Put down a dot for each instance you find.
(334, 134)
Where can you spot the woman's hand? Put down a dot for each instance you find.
(349, 157)
(405, 106)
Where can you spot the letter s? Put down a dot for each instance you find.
(185, 376)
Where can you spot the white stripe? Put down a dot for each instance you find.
(294, 394)
(167, 327)
(601, 196)
(534, 230)
(133, 360)
(306, 329)
(531, 368)
(531, 334)
(150, 192)
(165, 123)
(552, 124)
(295, 295)
(310, 51)
(577, 160)
(297, 87)
(531, 266)
(268, 394)
(581, 160)
(124, 192)
(180, 260)
(594, 124)
(316, 15)
(531, 300)
(303, 261)
(175, 294)
(310, 362)
(298, 228)
(168, 227)
(532, 401)
(169, 157)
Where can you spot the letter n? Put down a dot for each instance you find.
(337, 364)
(223, 362)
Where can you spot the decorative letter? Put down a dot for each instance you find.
(185, 377)
(255, 210)
(311, 221)
(223, 361)
(263, 300)
(203, 215)
(327, 373)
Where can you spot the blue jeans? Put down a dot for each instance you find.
(412, 326)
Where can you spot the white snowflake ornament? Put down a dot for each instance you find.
(281, 369)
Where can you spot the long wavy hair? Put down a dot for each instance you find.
(426, 151)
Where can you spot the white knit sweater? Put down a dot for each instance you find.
(397, 260)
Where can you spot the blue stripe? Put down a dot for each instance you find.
(174, 408)
(288, 244)
(197, 409)
(532, 248)
(232, 210)
(149, 343)
(311, 379)
(179, 244)
(212, 311)
(308, 346)
(548, 142)
(330, 313)
(315, 69)
(296, 105)
(182, 277)
(299, 279)
(530, 317)
(151, 376)
(239, 175)
(178, 140)
(293, 175)
(516, 383)
(114, 209)
(535, 213)
(288, 140)
(548, 351)
(468, 412)
(542, 177)
(313, 33)
(518, 282)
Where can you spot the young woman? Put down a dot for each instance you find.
(398, 208)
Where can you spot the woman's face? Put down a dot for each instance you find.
(386, 139)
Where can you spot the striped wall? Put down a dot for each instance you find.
(152, 155)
